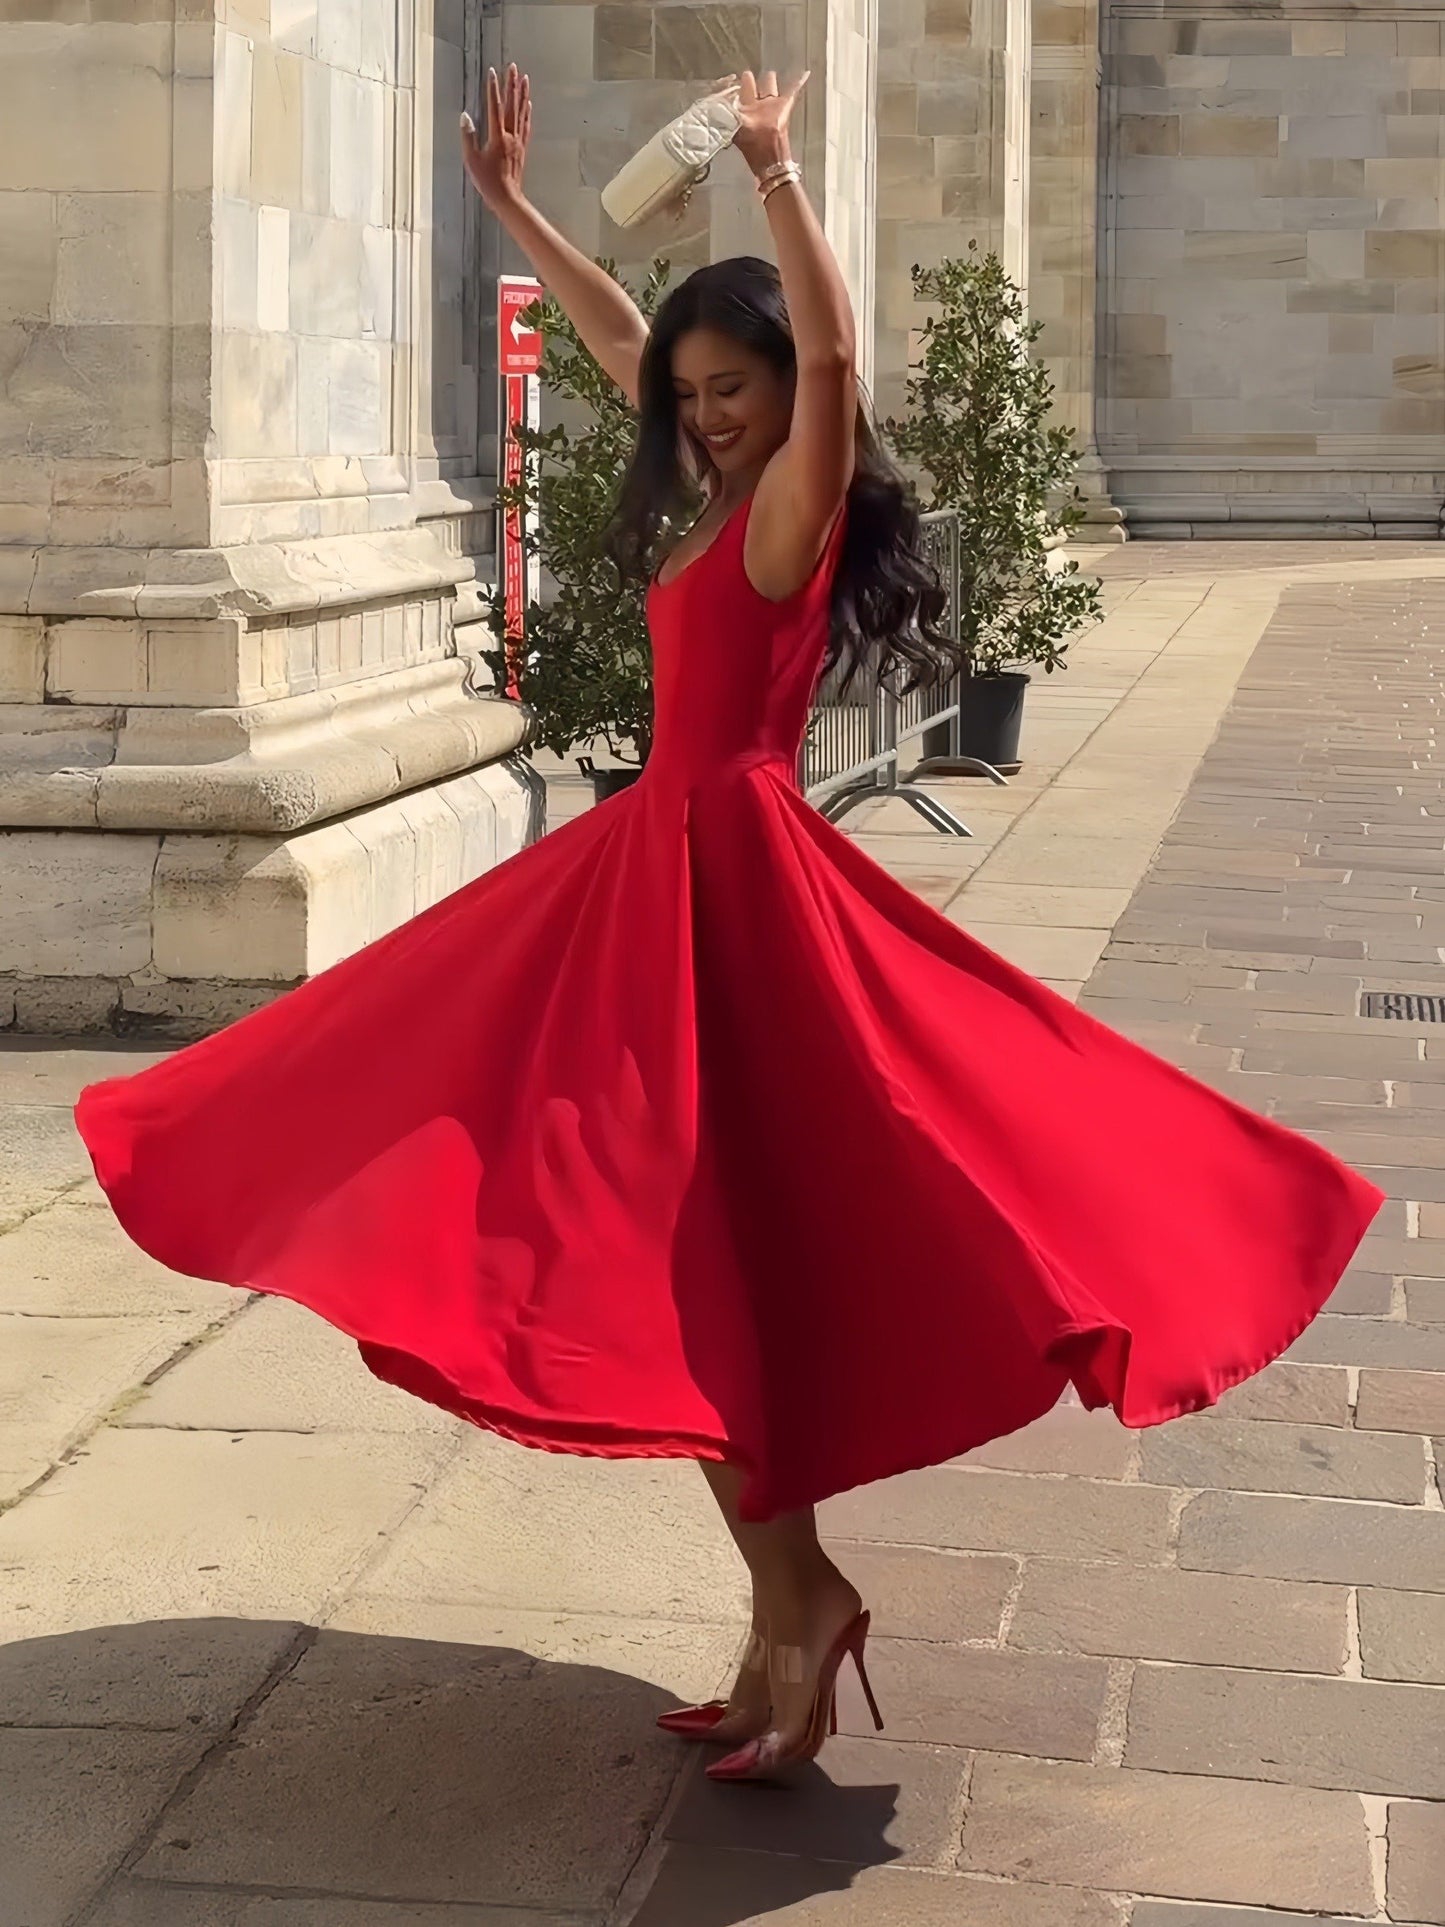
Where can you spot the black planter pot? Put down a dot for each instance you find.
(991, 717)
(607, 783)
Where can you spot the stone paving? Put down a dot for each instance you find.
(286, 1649)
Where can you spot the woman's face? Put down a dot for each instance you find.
(732, 401)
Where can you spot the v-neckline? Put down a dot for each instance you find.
(661, 581)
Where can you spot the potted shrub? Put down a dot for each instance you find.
(977, 428)
(585, 670)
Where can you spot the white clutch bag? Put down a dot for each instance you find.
(673, 162)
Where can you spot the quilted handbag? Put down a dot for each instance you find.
(674, 162)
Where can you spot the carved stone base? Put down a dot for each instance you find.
(1171, 499)
(221, 771)
(1103, 519)
(174, 934)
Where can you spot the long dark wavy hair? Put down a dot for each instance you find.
(887, 597)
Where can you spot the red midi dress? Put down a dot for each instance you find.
(690, 1132)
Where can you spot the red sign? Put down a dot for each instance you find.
(519, 349)
(514, 561)
(519, 357)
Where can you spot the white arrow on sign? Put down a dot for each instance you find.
(519, 333)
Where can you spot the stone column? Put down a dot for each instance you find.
(952, 154)
(1064, 228)
(848, 125)
(240, 453)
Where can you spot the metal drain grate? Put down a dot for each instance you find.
(1402, 1005)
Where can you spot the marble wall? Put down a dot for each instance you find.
(1066, 71)
(952, 154)
(313, 249)
(105, 272)
(1273, 313)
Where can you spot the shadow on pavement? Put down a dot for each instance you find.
(182, 1757)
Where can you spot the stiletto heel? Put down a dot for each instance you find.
(861, 1625)
(771, 1756)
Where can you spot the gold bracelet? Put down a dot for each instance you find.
(793, 178)
(772, 173)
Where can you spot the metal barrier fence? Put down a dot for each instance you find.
(857, 739)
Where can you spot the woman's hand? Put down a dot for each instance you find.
(494, 165)
(762, 140)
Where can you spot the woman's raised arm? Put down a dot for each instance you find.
(610, 325)
(808, 479)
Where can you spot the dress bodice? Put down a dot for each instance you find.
(734, 673)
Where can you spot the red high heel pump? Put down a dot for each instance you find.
(701, 1722)
(694, 1722)
(770, 1756)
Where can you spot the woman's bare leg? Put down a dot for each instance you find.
(800, 1603)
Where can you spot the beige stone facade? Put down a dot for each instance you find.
(247, 382)
(243, 472)
(1273, 304)
(952, 153)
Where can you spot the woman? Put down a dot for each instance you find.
(690, 1133)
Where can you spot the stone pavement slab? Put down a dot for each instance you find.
(1360, 1734)
(281, 1369)
(1424, 1300)
(1175, 1913)
(49, 1071)
(1194, 1618)
(1406, 1401)
(1169, 1833)
(152, 1525)
(59, 1376)
(1402, 1635)
(152, 1676)
(27, 1455)
(41, 1158)
(1334, 1540)
(918, 1593)
(379, 1767)
(149, 1903)
(1045, 1704)
(1005, 1512)
(68, 1262)
(1325, 1460)
(688, 1660)
(1416, 1882)
(74, 1801)
(1293, 1394)
(1091, 1445)
(478, 1537)
(709, 1887)
(875, 1803)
